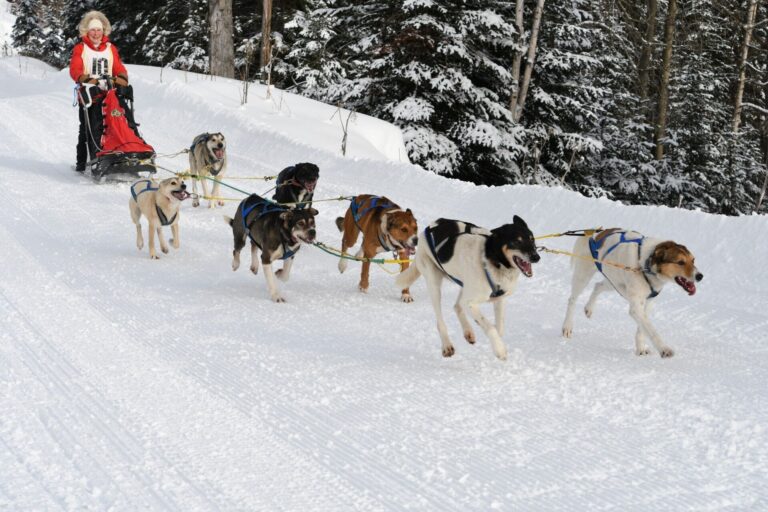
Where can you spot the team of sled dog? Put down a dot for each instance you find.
(485, 263)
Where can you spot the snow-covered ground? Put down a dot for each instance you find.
(130, 384)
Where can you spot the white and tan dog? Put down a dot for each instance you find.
(159, 203)
(208, 157)
(637, 268)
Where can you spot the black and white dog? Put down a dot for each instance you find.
(296, 185)
(275, 230)
(486, 264)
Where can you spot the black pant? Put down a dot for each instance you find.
(87, 141)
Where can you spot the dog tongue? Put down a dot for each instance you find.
(180, 195)
(219, 153)
(688, 286)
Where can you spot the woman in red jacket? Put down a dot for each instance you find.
(93, 57)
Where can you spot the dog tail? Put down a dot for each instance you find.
(408, 277)
(228, 220)
(340, 223)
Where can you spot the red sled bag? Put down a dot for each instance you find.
(119, 135)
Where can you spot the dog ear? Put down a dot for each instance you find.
(313, 212)
(409, 211)
(286, 215)
(518, 220)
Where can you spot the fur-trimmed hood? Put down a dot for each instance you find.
(83, 26)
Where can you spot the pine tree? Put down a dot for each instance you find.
(28, 34)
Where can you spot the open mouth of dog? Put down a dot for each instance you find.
(685, 284)
(310, 185)
(180, 194)
(523, 265)
(309, 239)
(218, 153)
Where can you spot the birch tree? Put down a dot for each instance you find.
(517, 111)
(737, 101)
(222, 48)
(266, 42)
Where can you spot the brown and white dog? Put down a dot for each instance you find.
(638, 268)
(385, 227)
(208, 157)
(159, 203)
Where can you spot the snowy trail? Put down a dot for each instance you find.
(176, 384)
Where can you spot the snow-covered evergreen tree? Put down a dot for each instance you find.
(28, 34)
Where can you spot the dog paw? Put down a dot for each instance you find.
(342, 265)
(219, 203)
(406, 297)
(140, 246)
(588, 311)
(195, 203)
(448, 351)
(278, 298)
(567, 331)
(469, 335)
(235, 265)
(501, 355)
(154, 256)
(254, 269)
(644, 351)
(363, 289)
(666, 352)
(164, 249)
(175, 244)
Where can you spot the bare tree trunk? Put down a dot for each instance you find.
(517, 58)
(266, 41)
(751, 13)
(530, 59)
(222, 49)
(649, 41)
(666, 71)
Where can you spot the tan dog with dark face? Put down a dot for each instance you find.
(385, 227)
(159, 203)
(652, 263)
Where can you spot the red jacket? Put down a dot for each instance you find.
(77, 67)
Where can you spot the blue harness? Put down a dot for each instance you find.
(375, 202)
(163, 219)
(496, 290)
(264, 206)
(595, 246)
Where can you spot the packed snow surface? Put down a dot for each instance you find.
(130, 384)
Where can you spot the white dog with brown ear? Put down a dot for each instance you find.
(635, 266)
(159, 203)
(208, 158)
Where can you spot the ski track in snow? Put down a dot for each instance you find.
(176, 384)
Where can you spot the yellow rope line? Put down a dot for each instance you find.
(338, 253)
(589, 258)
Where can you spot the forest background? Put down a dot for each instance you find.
(647, 102)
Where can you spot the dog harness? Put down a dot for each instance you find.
(375, 202)
(496, 290)
(264, 206)
(163, 219)
(292, 181)
(595, 246)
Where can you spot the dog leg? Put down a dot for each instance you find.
(271, 283)
(151, 235)
(637, 311)
(405, 294)
(365, 252)
(641, 347)
(582, 273)
(239, 244)
(498, 313)
(283, 273)
(195, 198)
(469, 334)
(216, 192)
(205, 192)
(255, 258)
(136, 217)
(434, 280)
(490, 330)
(600, 287)
(348, 239)
(161, 238)
(175, 233)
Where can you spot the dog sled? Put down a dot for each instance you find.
(116, 150)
